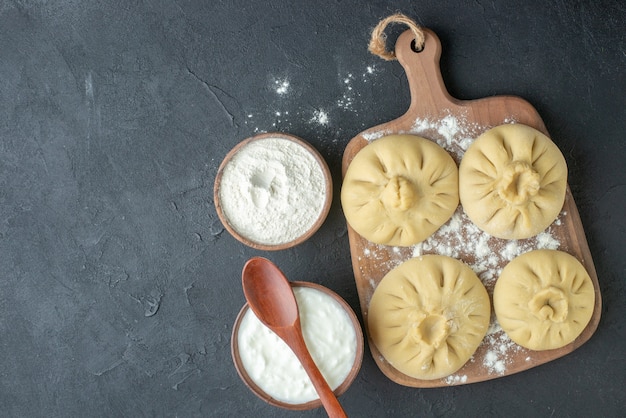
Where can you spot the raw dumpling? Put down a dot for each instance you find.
(428, 316)
(400, 189)
(512, 181)
(544, 299)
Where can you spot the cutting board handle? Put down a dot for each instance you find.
(426, 85)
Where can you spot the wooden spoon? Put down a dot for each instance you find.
(271, 298)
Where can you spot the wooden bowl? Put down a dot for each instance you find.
(313, 228)
(314, 403)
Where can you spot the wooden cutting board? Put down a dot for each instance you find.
(452, 123)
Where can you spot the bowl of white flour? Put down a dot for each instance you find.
(273, 191)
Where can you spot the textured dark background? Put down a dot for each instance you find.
(118, 284)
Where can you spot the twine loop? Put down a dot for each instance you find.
(377, 42)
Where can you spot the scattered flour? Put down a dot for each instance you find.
(545, 240)
(320, 117)
(486, 255)
(281, 86)
(499, 349)
(372, 136)
(349, 95)
(454, 134)
(454, 379)
(282, 120)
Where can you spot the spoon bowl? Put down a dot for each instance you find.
(269, 294)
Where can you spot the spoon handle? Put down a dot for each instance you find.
(329, 400)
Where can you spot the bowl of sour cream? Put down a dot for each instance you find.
(269, 368)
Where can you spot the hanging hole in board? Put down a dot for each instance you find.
(415, 47)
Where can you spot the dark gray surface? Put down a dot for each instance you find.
(118, 285)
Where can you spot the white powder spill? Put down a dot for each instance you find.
(500, 349)
(349, 95)
(452, 133)
(545, 240)
(454, 379)
(279, 119)
(320, 117)
(281, 86)
(486, 255)
(275, 118)
(455, 134)
(349, 85)
(372, 136)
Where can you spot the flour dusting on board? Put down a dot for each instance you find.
(453, 133)
(455, 379)
(372, 136)
(499, 348)
(461, 239)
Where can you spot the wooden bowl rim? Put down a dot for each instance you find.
(314, 227)
(316, 403)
